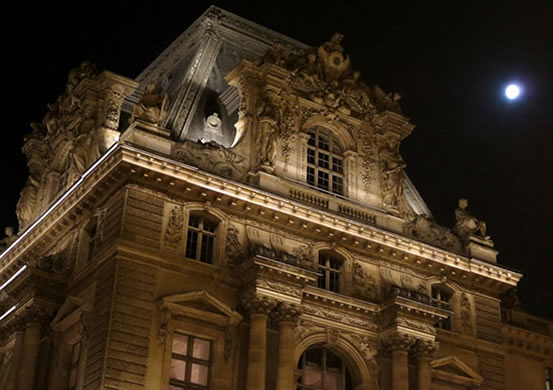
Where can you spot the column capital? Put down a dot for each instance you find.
(258, 304)
(287, 312)
(425, 349)
(400, 342)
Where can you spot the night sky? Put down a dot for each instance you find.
(450, 61)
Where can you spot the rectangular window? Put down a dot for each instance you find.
(310, 176)
(323, 160)
(190, 362)
(191, 244)
(310, 156)
(329, 273)
(337, 165)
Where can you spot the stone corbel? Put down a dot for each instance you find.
(164, 319)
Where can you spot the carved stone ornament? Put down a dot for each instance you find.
(287, 312)
(400, 342)
(212, 157)
(9, 238)
(415, 325)
(466, 314)
(152, 107)
(364, 285)
(233, 248)
(324, 75)
(392, 178)
(306, 328)
(425, 349)
(164, 318)
(425, 229)
(173, 236)
(280, 287)
(466, 223)
(340, 317)
(256, 304)
(71, 137)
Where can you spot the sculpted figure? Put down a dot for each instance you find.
(7, 241)
(392, 178)
(268, 113)
(466, 223)
(152, 107)
(332, 58)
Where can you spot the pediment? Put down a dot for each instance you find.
(201, 304)
(453, 369)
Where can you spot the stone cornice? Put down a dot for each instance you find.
(164, 169)
(528, 343)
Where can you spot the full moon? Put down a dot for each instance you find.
(512, 91)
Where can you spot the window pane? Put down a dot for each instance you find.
(310, 156)
(321, 281)
(178, 369)
(312, 376)
(311, 140)
(194, 221)
(323, 160)
(333, 361)
(201, 349)
(323, 180)
(310, 176)
(337, 165)
(323, 142)
(333, 380)
(180, 344)
(198, 374)
(191, 244)
(209, 226)
(207, 249)
(337, 185)
(171, 387)
(314, 357)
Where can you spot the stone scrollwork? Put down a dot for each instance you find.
(164, 318)
(306, 328)
(415, 325)
(280, 287)
(400, 342)
(425, 229)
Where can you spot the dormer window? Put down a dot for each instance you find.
(325, 164)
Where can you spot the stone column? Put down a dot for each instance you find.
(400, 345)
(16, 360)
(28, 363)
(424, 350)
(287, 315)
(259, 308)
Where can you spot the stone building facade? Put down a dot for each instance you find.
(238, 217)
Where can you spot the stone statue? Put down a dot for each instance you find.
(392, 175)
(466, 223)
(269, 116)
(152, 108)
(8, 240)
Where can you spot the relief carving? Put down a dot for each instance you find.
(212, 157)
(152, 107)
(425, 229)
(392, 179)
(466, 314)
(364, 285)
(173, 236)
(279, 287)
(233, 248)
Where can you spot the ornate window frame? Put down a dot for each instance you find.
(180, 313)
(325, 161)
(345, 269)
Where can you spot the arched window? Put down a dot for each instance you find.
(200, 238)
(320, 368)
(441, 297)
(325, 164)
(330, 268)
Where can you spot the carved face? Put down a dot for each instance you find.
(463, 203)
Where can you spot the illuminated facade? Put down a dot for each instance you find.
(238, 217)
